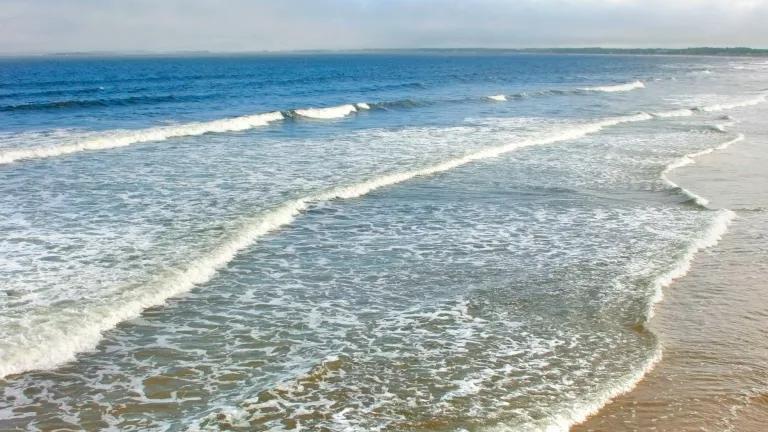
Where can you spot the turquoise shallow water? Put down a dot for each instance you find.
(346, 242)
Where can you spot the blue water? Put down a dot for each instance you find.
(420, 241)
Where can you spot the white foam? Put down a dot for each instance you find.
(498, 98)
(700, 72)
(567, 418)
(125, 138)
(675, 113)
(362, 106)
(688, 160)
(726, 106)
(327, 113)
(59, 338)
(710, 237)
(616, 88)
(583, 410)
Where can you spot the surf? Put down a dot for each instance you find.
(71, 332)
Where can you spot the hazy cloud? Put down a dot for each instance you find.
(242, 25)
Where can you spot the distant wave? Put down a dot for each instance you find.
(402, 103)
(727, 106)
(687, 112)
(123, 138)
(616, 88)
(57, 92)
(563, 92)
(91, 103)
(82, 331)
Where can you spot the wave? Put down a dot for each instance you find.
(616, 88)
(77, 331)
(688, 160)
(92, 103)
(727, 106)
(683, 112)
(57, 92)
(498, 98)
(330, 112)
(125, 138)
(687, 112)
(709, 237)
(402, 103)
(581, 411)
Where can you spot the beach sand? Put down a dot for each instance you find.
(712, 323)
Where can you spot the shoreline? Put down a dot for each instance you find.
(701, 380)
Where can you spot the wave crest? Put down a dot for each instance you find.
(616, 88)
(327, 113)
(125, 138)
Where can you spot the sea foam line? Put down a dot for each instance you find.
(60, 338)
(616, 88)
(711, 237)
(727, 106)
(580, 412)
(688, 160)
(125, 138)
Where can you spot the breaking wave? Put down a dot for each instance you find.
(125, 138)
(328, 113)
(616, 88)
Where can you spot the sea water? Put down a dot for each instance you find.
(402, 241)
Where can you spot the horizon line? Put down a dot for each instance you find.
(692, 50)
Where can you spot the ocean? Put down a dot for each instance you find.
(415, 241)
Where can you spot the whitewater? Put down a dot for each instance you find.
(386, 242)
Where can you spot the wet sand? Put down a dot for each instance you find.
(713, 323)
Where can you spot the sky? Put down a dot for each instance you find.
(45, 26)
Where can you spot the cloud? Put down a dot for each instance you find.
(241, 25)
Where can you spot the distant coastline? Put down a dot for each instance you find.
(693, 51)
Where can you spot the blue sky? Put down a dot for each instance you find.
(35, 26)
